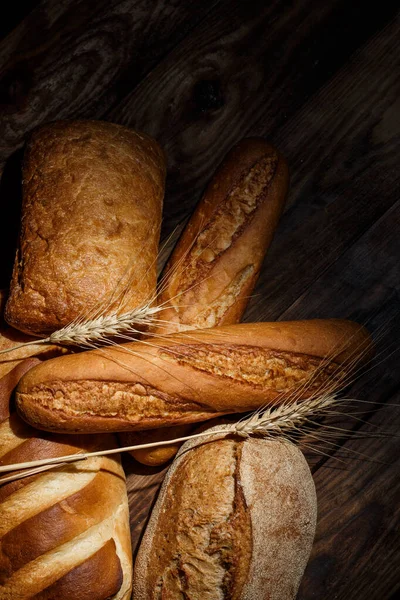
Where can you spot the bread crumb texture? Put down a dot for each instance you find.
(131, 401)
(264, 370)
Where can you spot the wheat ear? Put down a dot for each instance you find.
(276, 421)
(95, 332)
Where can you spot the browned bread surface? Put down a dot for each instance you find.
(189, 377)
(10, 338)
(64, 533)
(92, 198)
(234, 519)
(105, 563)
(215, 265)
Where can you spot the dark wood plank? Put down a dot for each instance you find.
(334, 197)
(143, 484)
(363, 281)
(74, 59)
(12, 14)
(357, 546)
(247, 68)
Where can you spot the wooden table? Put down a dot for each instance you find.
(321, 80)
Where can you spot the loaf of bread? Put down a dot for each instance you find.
(10, 339)
(190, 377)
(211, 273)
(91, 213)
(235, 519)
(64, 534)
(215, 265)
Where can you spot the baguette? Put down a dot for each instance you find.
(91, 213)
(63, 534)
(214, 267)
(207, 281)
(234, 519)
(190, 377)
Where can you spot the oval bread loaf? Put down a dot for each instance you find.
(91, 214)
(234, 520)
(64, 534)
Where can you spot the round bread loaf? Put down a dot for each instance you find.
(235, 520)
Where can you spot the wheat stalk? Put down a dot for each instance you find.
(96, 332)
(269, 422)
(284, 418)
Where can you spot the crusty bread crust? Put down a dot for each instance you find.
(92, 199)
(215, 265)
(10, 338)
(186, 378)
(212, 271)
(234, 519)
(57, 527)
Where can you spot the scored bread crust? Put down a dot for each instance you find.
(215, 265)
(65, 533)
(190, 377)
(91, 214)
(234, 520)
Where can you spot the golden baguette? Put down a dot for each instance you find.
(214, 267)
(190, 377)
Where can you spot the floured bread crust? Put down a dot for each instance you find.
(234, 520)
(92, 199)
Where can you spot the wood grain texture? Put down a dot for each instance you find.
(247, 68)
(75, 59)
(322, 82)
(357, 546)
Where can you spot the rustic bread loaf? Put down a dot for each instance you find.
(190, 377)
(212, 271)
(234, 520)
(91, 213)
(64, 534)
